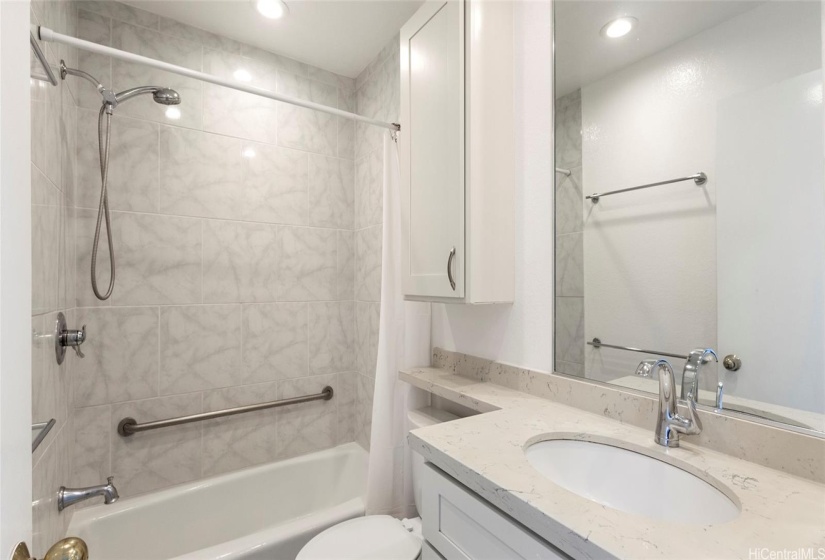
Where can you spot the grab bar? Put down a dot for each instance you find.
(44, 429)
(698, 178)
(129, 426)
(599, 344)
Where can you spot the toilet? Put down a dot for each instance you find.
(379, 537)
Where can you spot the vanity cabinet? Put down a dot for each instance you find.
(458, 525)
(456, 152)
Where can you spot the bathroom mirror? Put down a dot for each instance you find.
(700, 127)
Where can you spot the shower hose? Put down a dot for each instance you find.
(103, 137)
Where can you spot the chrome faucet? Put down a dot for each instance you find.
(70, 496)
(669, 424)
(690, 375)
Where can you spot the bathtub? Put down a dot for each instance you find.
(261, 513)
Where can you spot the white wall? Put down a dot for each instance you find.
(650, 256)
(522, 333)
(770, 247)
(15, 271)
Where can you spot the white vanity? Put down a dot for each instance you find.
(531, 478)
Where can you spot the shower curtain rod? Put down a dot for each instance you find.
(47, 34)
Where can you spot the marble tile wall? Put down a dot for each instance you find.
(377, 96)
(53, 164)
(243, 233)
(569, 308)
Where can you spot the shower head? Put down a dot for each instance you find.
(164, 96)
(161, 95)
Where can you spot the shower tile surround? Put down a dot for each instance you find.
(248, 245)
(569, 316)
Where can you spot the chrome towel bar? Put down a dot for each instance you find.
(599, 344)
(698, 178)
(129, 426)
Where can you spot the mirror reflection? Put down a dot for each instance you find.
(690, 201)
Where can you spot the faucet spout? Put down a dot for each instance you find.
(669, 423)
(690, 374)
(70, 496)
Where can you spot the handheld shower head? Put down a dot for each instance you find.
(164, 96)
(161, 95)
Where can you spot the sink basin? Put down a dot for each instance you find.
(631, 482)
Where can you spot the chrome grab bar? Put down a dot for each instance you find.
(129, 426)
(698, 178)
(43, 430)
(599, 344)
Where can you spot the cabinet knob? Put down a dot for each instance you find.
(450, 268)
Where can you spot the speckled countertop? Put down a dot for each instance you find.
(485, 452)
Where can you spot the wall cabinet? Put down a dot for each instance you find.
(456, 152)
(458, 525)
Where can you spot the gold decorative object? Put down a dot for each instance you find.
(70, 548)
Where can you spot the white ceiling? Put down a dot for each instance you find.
(341, 36)
(584, 56)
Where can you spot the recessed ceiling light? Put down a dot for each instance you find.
(248, 153)
(242, 75)
(172, 113)
(619, 27)
(272, 9)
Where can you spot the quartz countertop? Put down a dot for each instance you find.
(485, 452)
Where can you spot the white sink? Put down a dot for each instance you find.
(631, 482)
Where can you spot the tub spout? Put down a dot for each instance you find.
(70, 496)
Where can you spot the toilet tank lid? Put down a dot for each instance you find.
(427, 416)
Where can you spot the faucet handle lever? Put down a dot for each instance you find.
(80, 338)
(691, 425)
(110, 479)
(690, 374)
(645, 368)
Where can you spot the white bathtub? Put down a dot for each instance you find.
(262, 513)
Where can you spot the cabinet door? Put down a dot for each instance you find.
(431, 150)
(462, 526)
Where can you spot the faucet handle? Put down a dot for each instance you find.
(690, 374)
(691, 425)
(80, 338)
(110, 479)
(645, 368)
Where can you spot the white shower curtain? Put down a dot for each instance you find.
(403, 341)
